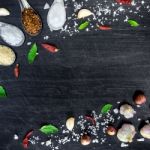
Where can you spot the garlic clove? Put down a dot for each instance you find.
(145, 131)
(84, 13)
(70, 123)
(4, 12)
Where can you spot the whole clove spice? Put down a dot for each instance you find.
(31, 21)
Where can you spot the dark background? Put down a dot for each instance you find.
(91, 69)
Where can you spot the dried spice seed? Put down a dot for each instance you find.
(111, 131)
(50, 48)
(31, 21)
(85, 139)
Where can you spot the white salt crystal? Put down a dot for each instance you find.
(124, 145)
(140, 140)
(46, 6)
(16, 137)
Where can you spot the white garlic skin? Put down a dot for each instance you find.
(127, 111)
(126, 133)
(70, 123)
(145, 131)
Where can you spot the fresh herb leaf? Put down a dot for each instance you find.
(133, 23)
(32, 53)
(84, 25)
(106, 108)
(49, 129)
(2, 92)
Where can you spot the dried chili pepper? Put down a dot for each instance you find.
(90, 119)
(26, 139)
(16, 71)
(50, 48)
(127, 2)
(104, 27)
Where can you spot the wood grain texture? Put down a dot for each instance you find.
(91, 69)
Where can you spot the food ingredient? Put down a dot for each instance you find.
(133, 23)
(106, 108)
(7, 56)
(127, 111)
(4, 12)
(70, 123)
(56, 17)
(46, 6)
(111, 130)
(11, 34)
(31, 21)
(16, 71)
(84, 13)
(140, 99)
(126, 133)
(2, 92)
(32, 53)
(49, 129)
(145, 131)
(26, 139)
(124, 1)
(50, 48)
(90, 119)
(83, 25)
(85, 139)
(104, 27)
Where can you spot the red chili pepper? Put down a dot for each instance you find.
(104, 27)
(91, 119)
(50, 48)
(26, 139)
(127, 2)
(16, 71)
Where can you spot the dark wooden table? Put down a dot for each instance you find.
(91, 69)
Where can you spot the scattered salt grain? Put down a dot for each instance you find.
(29, 43)
(124, 145)
(140, 140)
(46, 6)
(16, 137)
(116, 111)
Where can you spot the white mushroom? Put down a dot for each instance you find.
(127, 111)
(126, 133)
(145, 131)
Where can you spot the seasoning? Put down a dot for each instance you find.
(31, 21)
(111, 131)
(50, 48)
(90, 119)
(16, 71)
(26, 139)
(70, 123)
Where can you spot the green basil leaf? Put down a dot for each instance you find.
(32, 53)
(2, 92)
(84, 25)
(49, 129)
(133, 23)
(106, 108)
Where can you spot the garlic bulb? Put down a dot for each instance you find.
(84, 13)
(56, 17)
(7, 56)
(127, 111)
(126, 133)
(145, 131)
(4, 12)
(70, 123)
